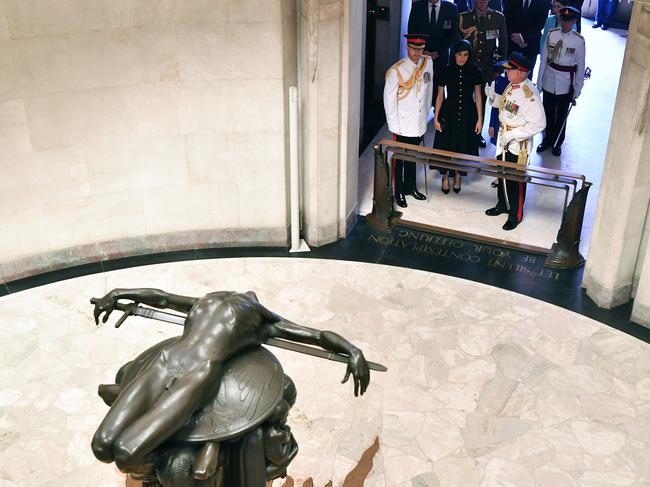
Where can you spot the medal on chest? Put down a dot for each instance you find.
(511, 107)
(569, 51)
(491, 34)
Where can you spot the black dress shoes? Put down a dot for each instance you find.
(400, 200)
(557, 151)
(417, 195)
(604, 26)
(510, 224)
(596, 25)
(481, 141)
(495, 211)
(542, 147)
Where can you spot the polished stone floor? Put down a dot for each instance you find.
(583, 152)
(484, 387)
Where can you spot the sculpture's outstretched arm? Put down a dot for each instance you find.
(330, 341)
(151, 297)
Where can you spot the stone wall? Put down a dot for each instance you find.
(618, 268)
(130, 127)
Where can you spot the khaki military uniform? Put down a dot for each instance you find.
(488, 36)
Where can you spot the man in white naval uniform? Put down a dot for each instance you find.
(561, 76)
(521, 116)
(407, 100)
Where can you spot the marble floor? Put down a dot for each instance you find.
(484, 387)
(583, 152)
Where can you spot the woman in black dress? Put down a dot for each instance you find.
(458, 116)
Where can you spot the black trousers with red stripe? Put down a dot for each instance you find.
(555, 109)
(404, 171)
(516, 192)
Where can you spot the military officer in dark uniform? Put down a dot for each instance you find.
(485, 28)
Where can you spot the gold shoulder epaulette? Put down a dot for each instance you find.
(578, 34)
(554, 29)
(527, 91)
(394, 66)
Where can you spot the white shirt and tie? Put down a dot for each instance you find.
(434, 11)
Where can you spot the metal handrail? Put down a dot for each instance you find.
(563, 254)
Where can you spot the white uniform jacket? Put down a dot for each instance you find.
(570, 47)
(407, 98)
(521, 115)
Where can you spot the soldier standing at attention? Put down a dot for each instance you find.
(561, 77)
(485, 29)
(407, 101)
(521, 116)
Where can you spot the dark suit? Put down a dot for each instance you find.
(467, 5)
(441, 33)
(529, 25)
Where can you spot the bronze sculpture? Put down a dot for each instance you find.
(208, 408)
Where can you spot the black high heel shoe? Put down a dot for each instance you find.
(443, 189)
(457, 188)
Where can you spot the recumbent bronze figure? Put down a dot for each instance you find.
(208, 408)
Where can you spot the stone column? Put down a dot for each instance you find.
(616, 252)
(328, 82)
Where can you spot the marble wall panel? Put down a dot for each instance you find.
(137, 163)
(46, 17)
(329, 190)
(189, 207)
(201, 11)
(328, 58)
(70, 119)
(230, 50)
(157, 110)
(14, 136)
(201, 51)
(68, 223)
(254, 50)
(328, 106)
(94, 218)
(206, 106)
(4, 26)
(259, 105)
(249, 10)
(39, 177)
(330, 10)
(233, 157)
(328, 152)
(17, 237)
(33, 67)
(114, 98)
(262, 203)
(120, 57)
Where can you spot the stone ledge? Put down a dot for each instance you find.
(142, 245)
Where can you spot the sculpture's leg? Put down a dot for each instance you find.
(167, 415)
(132, 402)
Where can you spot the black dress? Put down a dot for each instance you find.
(458, 115)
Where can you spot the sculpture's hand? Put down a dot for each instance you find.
(104, 305)
(358, 367)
